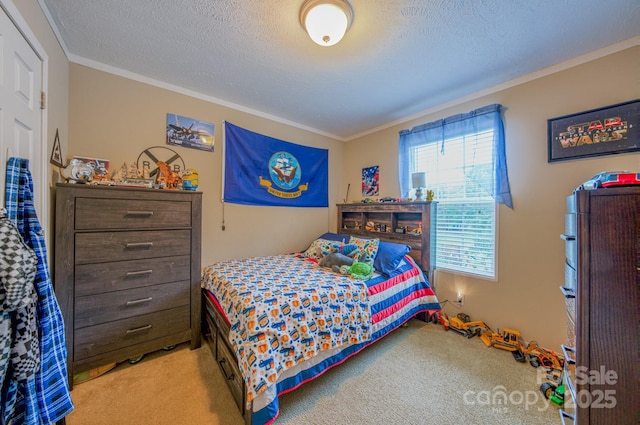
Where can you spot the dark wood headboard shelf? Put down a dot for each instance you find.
(393, 216)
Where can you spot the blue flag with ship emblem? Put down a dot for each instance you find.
(261, 170)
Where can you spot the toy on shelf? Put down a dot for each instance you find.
(462, 324)
(168, 179)
(125, 172)
(417, 230)
(77, 171)
(611, 179)
(189, 179)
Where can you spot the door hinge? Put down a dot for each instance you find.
(43, 100)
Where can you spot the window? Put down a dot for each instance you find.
(465, 224)
(463, 169)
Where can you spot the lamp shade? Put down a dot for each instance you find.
(418, 180)
(326, 21)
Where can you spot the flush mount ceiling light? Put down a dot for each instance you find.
(326, 21)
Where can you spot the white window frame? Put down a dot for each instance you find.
(435, 173)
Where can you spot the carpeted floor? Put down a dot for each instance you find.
(416, 375)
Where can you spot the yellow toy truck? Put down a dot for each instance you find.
(510, 340)
(462, 324)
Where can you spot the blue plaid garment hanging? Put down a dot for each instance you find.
(44, 398)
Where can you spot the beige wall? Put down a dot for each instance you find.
(530, 252)
(117, 118)
(107, 116)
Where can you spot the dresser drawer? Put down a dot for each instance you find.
(110, 306)
(102, 247)
(230, 370)
(106, 337)
(115, 276)
(95, 213)
(215, 315)
(210, 333)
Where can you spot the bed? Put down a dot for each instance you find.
(274, 323)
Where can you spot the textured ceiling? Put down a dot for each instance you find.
(399, 58)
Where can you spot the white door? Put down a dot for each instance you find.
(20, 113)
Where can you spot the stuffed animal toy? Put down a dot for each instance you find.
(362, 271)
(350, 250)
(78, 171)
(335, 260)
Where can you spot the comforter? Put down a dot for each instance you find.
(291, 320)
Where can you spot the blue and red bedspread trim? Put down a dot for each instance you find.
(392, 302)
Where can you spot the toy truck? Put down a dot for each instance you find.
(553, 392)
(461, 324)
(539, 356)
(510, 340)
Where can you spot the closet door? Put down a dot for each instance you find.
(20, 113)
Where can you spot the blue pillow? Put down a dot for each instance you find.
(389, 257)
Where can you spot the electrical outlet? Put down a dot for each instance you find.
(460, 299)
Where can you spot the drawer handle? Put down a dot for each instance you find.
(140, 301)
(138, 213)
(142, 328)
(222, 362)
(567, 237)
(139, 272)
(140, 245)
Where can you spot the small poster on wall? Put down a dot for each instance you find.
(190, 133)
(100, 166)
(370, 181)
(56, 153)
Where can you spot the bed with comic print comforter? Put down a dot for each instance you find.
(288, 320)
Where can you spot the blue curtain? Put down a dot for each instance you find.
(481, 119)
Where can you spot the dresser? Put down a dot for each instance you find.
(602, 292)
(127, 271)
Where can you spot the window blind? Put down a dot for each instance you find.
(460, 172)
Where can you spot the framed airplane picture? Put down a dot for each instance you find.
(189, 133)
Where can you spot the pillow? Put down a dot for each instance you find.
(389, 258)
(368, 249)
(350, 250)
(335, 237)
(321, 247)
